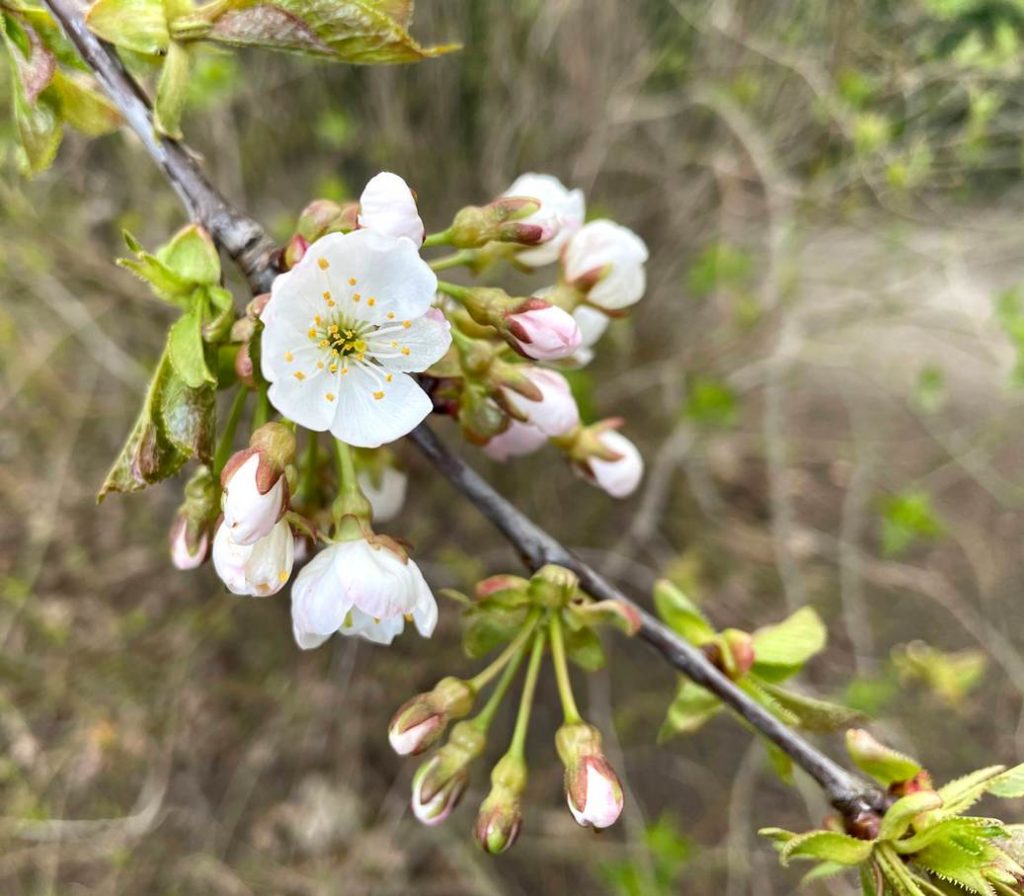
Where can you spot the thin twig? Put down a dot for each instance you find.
(246, 242)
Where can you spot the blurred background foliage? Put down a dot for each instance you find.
(825, 379)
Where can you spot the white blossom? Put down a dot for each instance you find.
(555, 413)
(255, 569)
(603, 801)
(386, 494)
(620, 477)
(342, 332)
(357, 588)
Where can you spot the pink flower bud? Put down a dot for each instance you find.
(421, 721)
(519, 439)
(388, 206)
(596, 799)
(560, 215)
(183, 554)
(435, 795)
(555, 413)
(543, 331)
(606, 261)
(592, 788)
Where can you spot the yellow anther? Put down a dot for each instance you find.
(352, 281)
(299, 375)
(405, 350)
(327, 295)
(356, 297)
(333, 368)
(282, 575)
(317, 320)
(289, 357)
(319, 365)
(371, 301)
(391, 315)
(378, 395)
(407, 323)
(324, 265)
(329, 396)
(312, 333)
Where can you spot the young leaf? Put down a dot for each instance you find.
(35, 119)
(138, 25)
(827, 846)
(813, 714)
(584, 648)
(959, 795)
(365, 32)
(488, 627)
(681, 614)
(690, 709)
(82, 106)
(192, 255)
(187, 417)
(885, 765)
(790, 643)
(901, 814)
(172, 90)
(1010, 784)
(188, 351)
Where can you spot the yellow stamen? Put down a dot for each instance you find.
(329, 396)
(378, 395)
(352, 281)
(299, 375)
(323, 264)
(289, 357)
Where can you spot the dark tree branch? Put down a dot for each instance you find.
(241, 237)
(246, 242)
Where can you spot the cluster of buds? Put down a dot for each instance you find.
(546, 613)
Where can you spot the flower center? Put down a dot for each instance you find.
(341, 337)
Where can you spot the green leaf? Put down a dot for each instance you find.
(164, 283)
(365, 32)
(790, 643)
(82, 106)
(681, 614)
(824, 871)
(907, 519)
(952, 829)
(172, 90)
(959, 795)
(710, 402)
(827, 846)
(584, 648)
(902, 882)
(813, 714)
(901, 814)
(690, 709)
(1010, 784)
(490, 626)
(138, 25)
(35, 118)
(187, 350)
(885, 765)
(192, 255)
(187, 417)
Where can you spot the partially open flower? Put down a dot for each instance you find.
(555, 412)
(344, 329)
(607, 458)
(592, 788)
(606, 262)
(257, 569)
(360, 588)
(255, 490)
(543, 331)
(561, 212)
(388, 206)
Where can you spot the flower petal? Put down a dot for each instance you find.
(319, 603)
(380, 631)
(377, 581)
(372, 411)
(374, 277)
(415, 347)
(270, 564)
(388, 206)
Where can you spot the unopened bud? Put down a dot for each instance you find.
(293, 251)
(553, 586)
(421, 721)
(255, 490)
(606, 458)
(501, 221)
(500, 818)
(323, 216)
(592, 788)
(533, 327)
(439, 783)
(194, 522)
(740, 652)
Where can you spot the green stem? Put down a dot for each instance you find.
(346, 466)
(309, 465)
(459, 293)
(455, 260)
(441, 238)
(517, 748)
(479, 681)
(351, 502)
(262, 412)
(569, 708)
(227, 439)
(482, 720)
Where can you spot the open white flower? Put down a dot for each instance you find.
(258, 569)
(357, 588)
(560, 208)
(607, 261)
(342, 332)
(388, 206)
